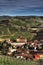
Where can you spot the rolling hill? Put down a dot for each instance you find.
(12, 27)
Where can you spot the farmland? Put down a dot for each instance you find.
(12, 27)
(6, 60)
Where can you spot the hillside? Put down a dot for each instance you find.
(12, 27)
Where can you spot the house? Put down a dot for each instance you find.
(21, 39)
(15, 44)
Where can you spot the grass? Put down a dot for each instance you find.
(6, 60)
(18, 24)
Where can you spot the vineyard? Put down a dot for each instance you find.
(6, 60)
(12, 27)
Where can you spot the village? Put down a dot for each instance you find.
(22, 48)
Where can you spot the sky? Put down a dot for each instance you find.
(21, 7)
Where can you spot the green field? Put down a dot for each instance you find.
(6, 60)
(19, 26)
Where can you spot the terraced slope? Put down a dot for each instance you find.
(12, 27)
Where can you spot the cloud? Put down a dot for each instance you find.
(37, 10)
(25, 3)
(8, 6)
